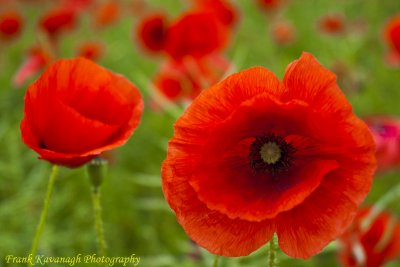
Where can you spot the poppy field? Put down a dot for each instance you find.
(222, 133)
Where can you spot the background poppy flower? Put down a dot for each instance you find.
(34, 62)
(196, 34)
(10, 25)
(107, 13)
(283, 32)
(392, 36)
(332, 23)
(77, 110)
(253, 155)
(151, 32)
(57, 20)
(370, 247)
(224, 10)
(90, 50)
(386, 133)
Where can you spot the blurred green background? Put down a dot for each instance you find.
(137, 219)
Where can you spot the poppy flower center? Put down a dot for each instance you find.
(271, 153)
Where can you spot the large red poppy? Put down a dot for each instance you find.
(227, 13)
(76, 110)
(253, 155)
(370, 247)
(196, 34)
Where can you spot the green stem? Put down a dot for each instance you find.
(216, 261)
(45, 210)
(101, 243)
(272, 259)
(380, 205)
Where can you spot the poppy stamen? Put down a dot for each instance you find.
(271, 153)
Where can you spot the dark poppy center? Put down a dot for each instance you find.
(271, 153)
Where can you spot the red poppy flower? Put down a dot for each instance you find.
(370, 247)
(107, 13)
(77, 110)
(332, 23)
(57, 20)
(77, 5)
(196, 34)
(183, 81)
(386, 133)
(90, 50)
(252, 156)
(392, 36)
(34, 62)
(224, 10)
(270, 5)
(283, 33)
(10, 25)
(151, 32)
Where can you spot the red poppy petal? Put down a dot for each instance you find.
(309, 227)
(211, 229)
(305, 79)
(238, 194)
(218, 102)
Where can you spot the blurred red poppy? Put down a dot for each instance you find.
(270, 5)
(253, 155)
(227, 13)
(182, 81)
(10, 25)
(332, 23)
(196, 34)
(77, 5)
(57, 20)
(34, 62)
(77, 110)
(386, 133)
(151, 32)
(283, 32)
(370, 247)
(90, 50)
(107, 13)
(392, 36)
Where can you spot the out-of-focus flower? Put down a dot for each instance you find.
(224, 10)
(151, 32)
(269, 5)
(392, 37)
(77, 110)
(183, 81)
(283, 32)
(386, 133)
(90, 50)
(332, 23)
(196, 34)
(253, 155)
(35, 61)
(77, 5)
(58, 20)
(107, 13)
(370, 247)
(10, 25)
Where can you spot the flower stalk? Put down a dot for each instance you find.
(272, 258)
(43, 216)
(96, 171)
